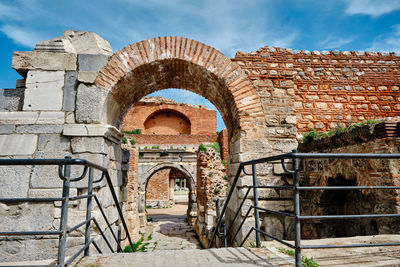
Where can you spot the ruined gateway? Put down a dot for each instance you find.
(75, 94)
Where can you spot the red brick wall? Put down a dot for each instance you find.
(202, 121)
(158, 186)
(166, 122)
(327, 89)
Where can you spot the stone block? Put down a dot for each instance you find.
(44, 90)
(87, 76)
(26, 217)
(46, 176)
(22, 117)
(91, 62)
(14, 181)
(70, 87)
(88, 42)
(7, 129)
(18, 144)
(51, 117)
(89, 104)
(23, 62)
(110, 132)
(39, 129)
(273, 226)
(11, 99)
(89, 144)
(29, 250)
(53, 143)
(56, 192)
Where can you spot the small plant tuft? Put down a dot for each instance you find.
(124, 140)
(155, 147)
(223, 162)
(164, 153)
(140, 245)
(305, 262)
(210, 174)
(202, 148)
(216, 146)
(133, 141)
(225, 177)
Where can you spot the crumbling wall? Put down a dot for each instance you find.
(351, 172)
(212, 184)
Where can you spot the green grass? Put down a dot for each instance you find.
(305, 262)
(124, 140)
(202, 148)
(164, 153)
(136, 131)
(140, 245)
(133, 141)
(216, 146)
(210, 174)
(225, 177)
(155, 147)
(313, 134)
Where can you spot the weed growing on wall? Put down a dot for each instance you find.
(202, 148)
(136, 131)
(124, 140)
(313, 134)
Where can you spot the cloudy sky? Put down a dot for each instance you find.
(227, 25)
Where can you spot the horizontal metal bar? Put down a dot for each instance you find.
(350, 245)
(280, 187)
(33, 199)
(275, 238)
(28, 265)
(361, 216)
(275, 212)
(268, 159)
(78, 225)
(346, 187)
(18, 233)
(344, 156)
(70, 260)
(81, 197)
(70, 161)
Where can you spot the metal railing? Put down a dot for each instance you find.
(297, 163)
(64, 172)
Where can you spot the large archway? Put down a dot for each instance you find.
(174, 62)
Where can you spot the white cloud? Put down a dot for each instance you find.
(388, 43)
(374, 8)
(332, 42)
(21, 36)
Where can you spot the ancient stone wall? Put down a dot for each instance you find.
(351, 172)
(327, 89)
(212, 184)
(47, 120)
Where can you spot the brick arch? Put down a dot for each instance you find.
(174, 62)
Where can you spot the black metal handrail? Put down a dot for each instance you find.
(296, 188)
(64, 171)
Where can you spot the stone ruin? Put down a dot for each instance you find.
(75, 93)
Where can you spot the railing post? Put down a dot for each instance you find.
(256, 213)
(88, 210)
(64, 215)
(296, 203)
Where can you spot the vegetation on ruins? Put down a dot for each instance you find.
(140, 245)
(202, 148)
(164, 153)
(305, 261)
(313, 134)
(133, 141)
(124, 140)
(135, 131)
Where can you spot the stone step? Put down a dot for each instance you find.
(190, 257)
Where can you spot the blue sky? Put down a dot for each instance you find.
(227, 25)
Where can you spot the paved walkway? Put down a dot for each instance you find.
(169, 229)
